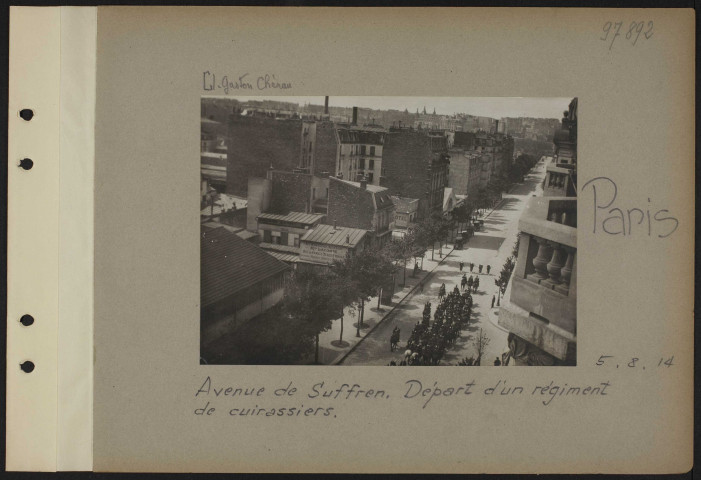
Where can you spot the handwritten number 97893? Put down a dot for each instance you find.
(613, 30)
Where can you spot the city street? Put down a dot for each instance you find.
(491, 246)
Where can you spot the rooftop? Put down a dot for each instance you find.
(330, 235)
(230, 264)
(381, 194)
(293, 217)
(405, 204)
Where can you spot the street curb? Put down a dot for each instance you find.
(392, 309)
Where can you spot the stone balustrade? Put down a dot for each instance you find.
(558, 181)
(544, 280)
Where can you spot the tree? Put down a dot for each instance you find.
(273, 338)
(400, 249)
(480, 344)
(367, 270)
(313, 301)
(427, 231)
(462, 214)
(481, 198)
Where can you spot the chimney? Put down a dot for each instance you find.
(326, 105)
(364, 182)
(347, 238)
(355, 116)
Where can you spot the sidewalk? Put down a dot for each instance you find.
(331, 351)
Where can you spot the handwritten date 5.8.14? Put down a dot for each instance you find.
(633, 32)
(633, 362)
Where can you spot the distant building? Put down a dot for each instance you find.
(465, 171)
(239, 281)
(213, 170)
(360, 152)
(415, 165)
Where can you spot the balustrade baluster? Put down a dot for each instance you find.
(540, 262)
(566, 272)
(554, 266)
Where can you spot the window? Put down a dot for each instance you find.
(370, 177)
(362, 150)
(283, 238)
(371, 164)
(372, 152)
(362, 164)
(266, 236)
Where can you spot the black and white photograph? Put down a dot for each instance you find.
(388, 231)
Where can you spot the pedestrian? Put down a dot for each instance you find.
(480, 268)
(497, 362)
(477, 283)
(493, 300)
(463, 282)
(472, 265)
(461, 265)
(489, 268)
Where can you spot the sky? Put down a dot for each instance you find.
(494, 107)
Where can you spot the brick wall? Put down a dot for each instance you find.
(291, 192)
(349, 206)
(326, 148)
(255, 143)
(406, 158)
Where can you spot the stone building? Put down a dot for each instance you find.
(360, 152)
(540, 304)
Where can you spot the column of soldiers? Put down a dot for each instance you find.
(429, 340)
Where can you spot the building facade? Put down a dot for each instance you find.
(540, 304)
(360, 152)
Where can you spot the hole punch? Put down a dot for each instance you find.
(27, 114)
(27, 367)
(26, 163)
(26, 320)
